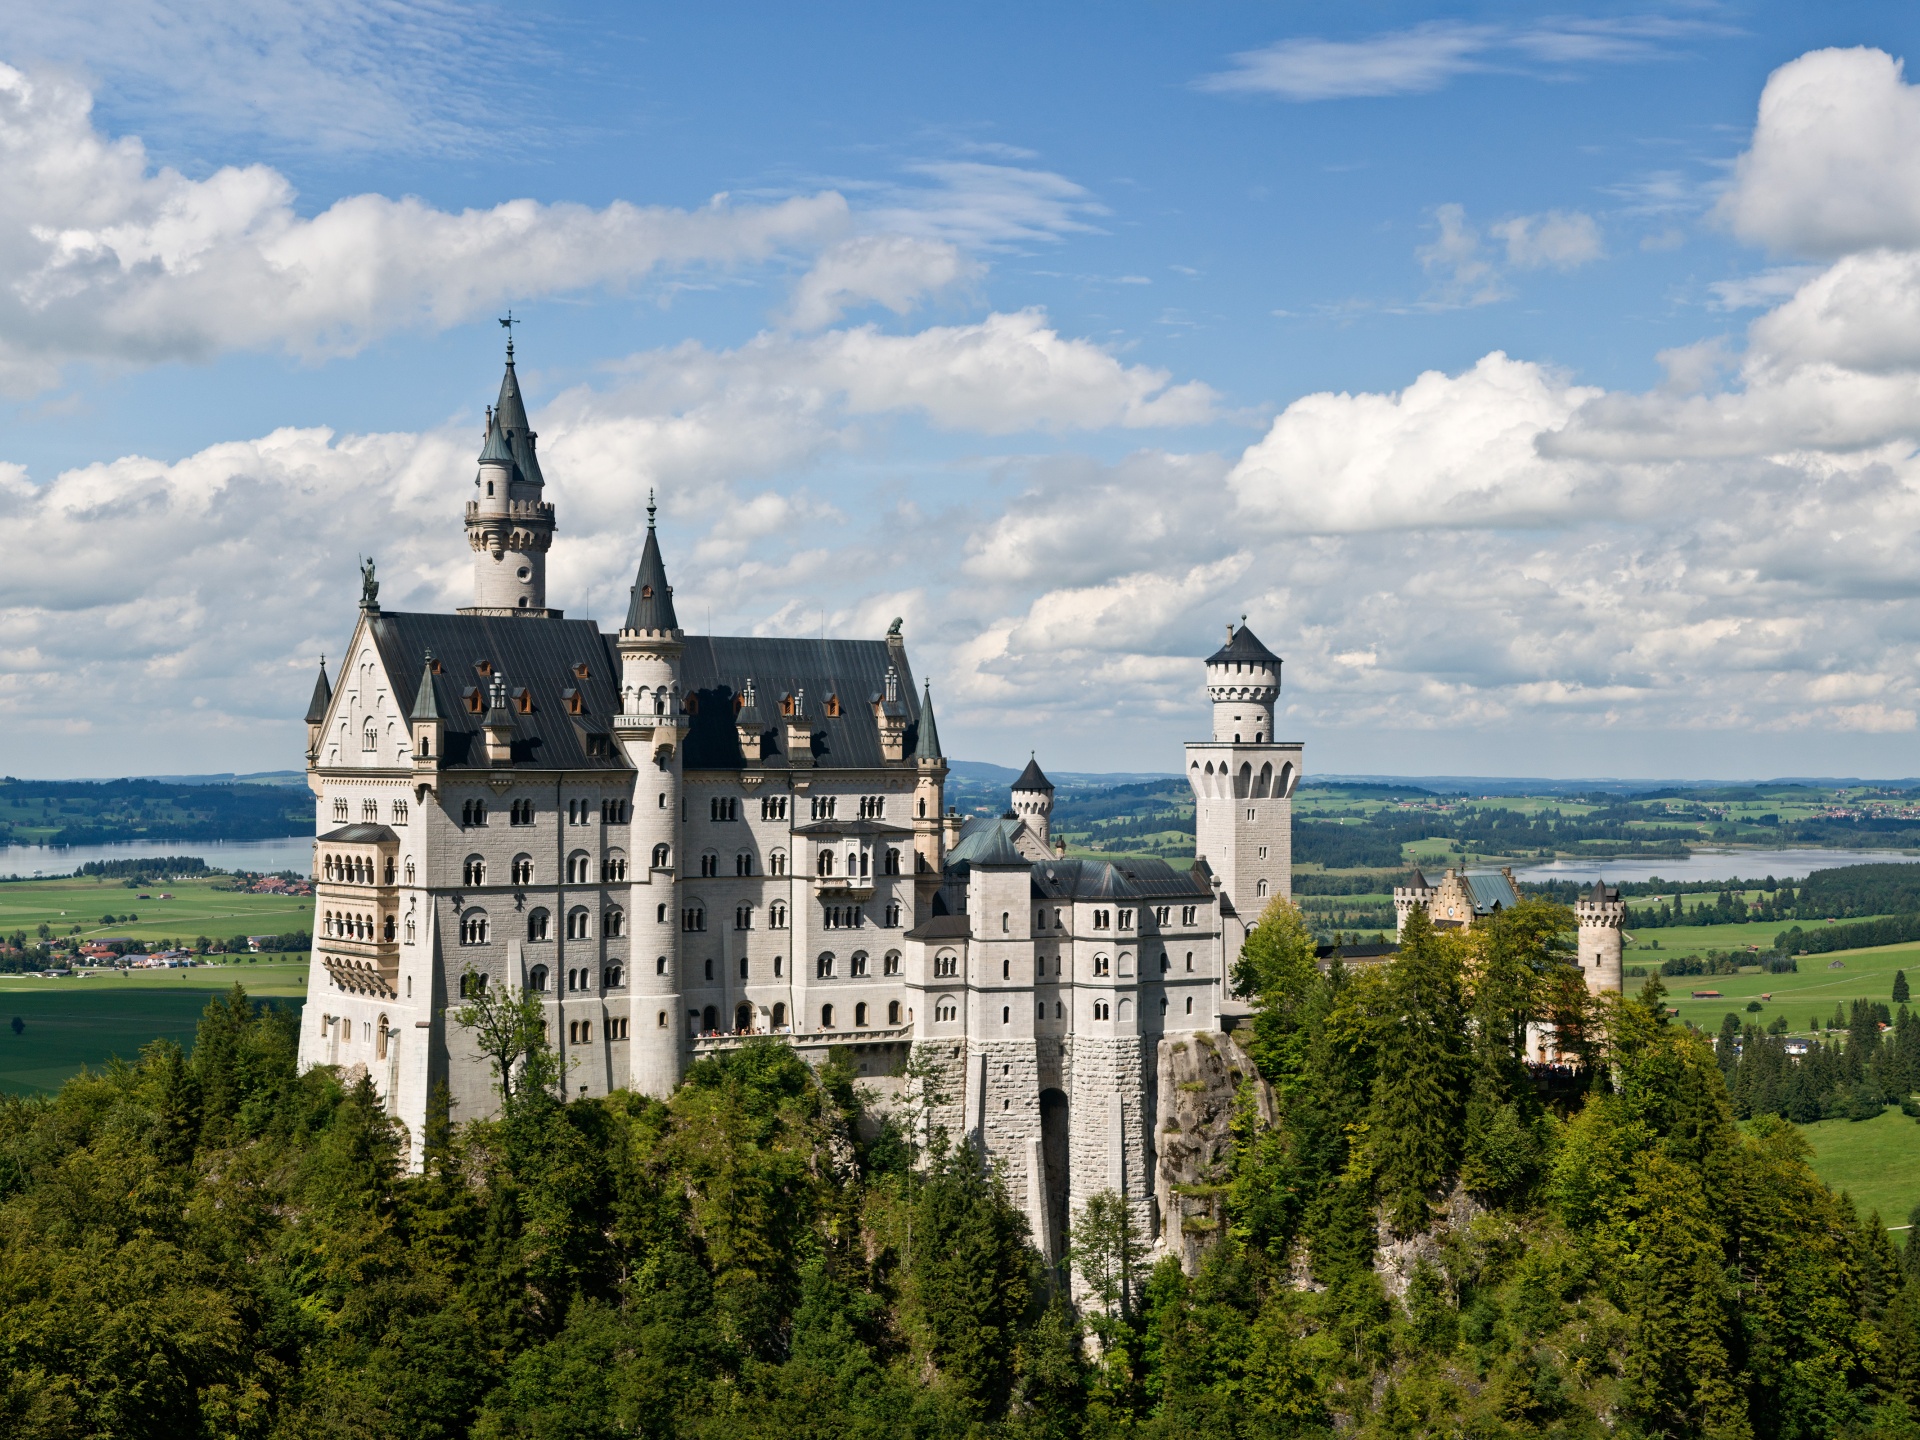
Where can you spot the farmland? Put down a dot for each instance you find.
(199, 906)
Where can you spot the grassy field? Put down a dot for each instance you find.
(196, 909)
(1814, 991)
(1877, 1162)
(88, 1019)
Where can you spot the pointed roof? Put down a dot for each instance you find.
(424, 707)
(1243, 647)
(927, 742)
(1031, 778)
(651, 607)
(322, 697)
(496, 450)
(510, 419)
(511, 411)
(1417, 881)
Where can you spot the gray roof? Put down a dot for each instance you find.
(510, 415)
(1243, 647)
(496, 448)
(1031, 778)
(424, 707)
(1418, 881)
(714, 669)
(989, 844)
(361, 835)
(877, 828)
(926, 740)
(1491, 890)
(1117, 880)
(942, 927)
(651, 606)
(322, 697)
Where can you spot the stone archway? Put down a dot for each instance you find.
(1056, 1155)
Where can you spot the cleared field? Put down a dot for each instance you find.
(1813, 992)
(196, 909)
(1877, 1162)
(87, 1020)
(1698, 939)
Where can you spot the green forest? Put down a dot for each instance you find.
(1419, 1236)
(111, 812)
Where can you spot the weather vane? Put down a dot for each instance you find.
(507, 324)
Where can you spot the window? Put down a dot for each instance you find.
(579, 868)
(824, 865)
(1187, 914)
(474, 812)
(410, 933)
(857, 963)
(873, 807)
(410, 872)
(662, 857)
(843, 917)
(893, 860)
(474, 872)
(823, 807)
(724, 807)
(472, 986)
(1006, 922)
(340, 811)
(576, 924)
(743, 863)
(743, 917)
(473, 929)
(779, 967)
(890, 964)
(1189, 1005)
(538, 922)
(823, 967)
(893, 916)
(537, 978)
(660, 966)
(399, 812)
(1260, 888)
(387, 928)
(1040, 1011)
(773, 807)
(945, 1009)
(616, 865)
(1263, 852)
(370, 737)
(520, 813)
(946, 964)
(1189, 962)
(580, 1031)
(1165, 964)
(777, 863)
(1006, 1014)
(617, 1029)
(710, 863)
(1249, 812)
(614, 923)
(744, 975)
(613, 812)
(1102, 1010)
(709, 965)
(777, 915)
(370, 812)
(860, 1015)
(1102, 919)
(523, 869)
(779, 1016)
(1160, 914)
(612, 977)
(1102, 965)
(893, 1012)
(1126, 919)
(826, 1017)
(694, 918)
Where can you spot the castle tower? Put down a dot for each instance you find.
(929, 795)
(1033, 799)
(317, 711)
(1243, 781)
(1416, 893)
(509, 524)
(1603, 918)
(648, 729)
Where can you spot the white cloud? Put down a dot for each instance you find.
(104, 258)
(1454, 257)
(984, 207)
(897, 271)
(1559, 239)
(1834, 164)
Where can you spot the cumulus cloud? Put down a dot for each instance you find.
(897, 271)
(104, 257)
(1834, 163)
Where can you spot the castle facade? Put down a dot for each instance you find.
(680, 842)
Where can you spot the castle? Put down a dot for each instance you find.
(679, 842)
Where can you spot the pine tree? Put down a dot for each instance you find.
(1727, 1052)
(1900, 987)
(1420, 1093)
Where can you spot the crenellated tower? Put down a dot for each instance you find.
(1033, 799)
(509, 523)
(649, 729)
(1603, 918)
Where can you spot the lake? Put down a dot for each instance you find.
(294, 852)
(1711, 865)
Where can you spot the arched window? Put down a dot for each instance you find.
(1101, 1010)
(387, 927)
(743, 863)
(1260, 888)
(860, 1015)
(893, 1012)
(409, 872)
(779, 1015)
(1126, 1011)
(823, 966)
(380, 1038)
(777, 915)
(614, 975)
(1101, 965)
(389, 879)
(1189, 1005)
(523, 869)
(616, 866)
(743, 917)
(857, 963)
(893, 861)
(1189, 961)
(826, 1017)
(1006, 1014)
(825, 864)
(410, 933)
(946, 1009)
(1006, 922)
(777, 862)
(660, 966)
(615, 922)
(537, 978)
(473, 928)
(890, 964)
(710, 863)
(710, 1019)
(742, 1018)
(370, 737)
(472, 985)
(474, 872)
(537, 925)
(579, 868)
(1126, 962)
(779, 966)
(662, 856)
(577, 928)
(946, 964)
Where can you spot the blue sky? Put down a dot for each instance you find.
(1525, 385)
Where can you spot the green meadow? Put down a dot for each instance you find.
(1810, 993)
(197, 908)
(1877, 1162)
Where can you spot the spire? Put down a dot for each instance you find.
(510, 418)
(1032, 778)
(652, 605)
(322, 697)
(423, 704)
(496, 450)
(927, 742)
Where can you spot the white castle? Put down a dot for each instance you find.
(679, 842)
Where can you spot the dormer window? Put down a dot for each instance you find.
(476, 699)
(483, 668)
(436, 667)
(572, 698)
(646, 592)
(580, 671)
(833, 707)
(786, 704)
(523, 701)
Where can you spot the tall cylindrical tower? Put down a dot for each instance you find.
(1603, 919)
(509, 524)
(1243, 681)
(1033, 800)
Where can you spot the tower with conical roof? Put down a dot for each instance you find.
(509, 522)
(1033, 799)
(1243, 781)
(929, 798)
(649, 730)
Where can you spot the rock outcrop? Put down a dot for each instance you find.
(1202, 1076)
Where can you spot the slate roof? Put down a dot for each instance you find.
(361, 835)
(1130, 879)
(424, 706)
(1602, 893)
(1490, 890)
(926, 738)
(1032, 778)
(510, 414)
(534, 653)
(322, 698)
(651, 606)
(990, 845)
(941, 927)
(1243, 647)
(852, 827)
(715, 668)
(1417, 881)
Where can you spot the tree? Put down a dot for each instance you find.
(511, 1031)
(1419, 1094)
(1900, 993)
(1106, 1253)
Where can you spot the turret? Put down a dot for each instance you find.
(428, 732)
(1243, 681)
(317, 711)
(1033, 799)
(1416, 893)
(929, 795)
(650, 639)
(509, 523)
(1603, 918)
